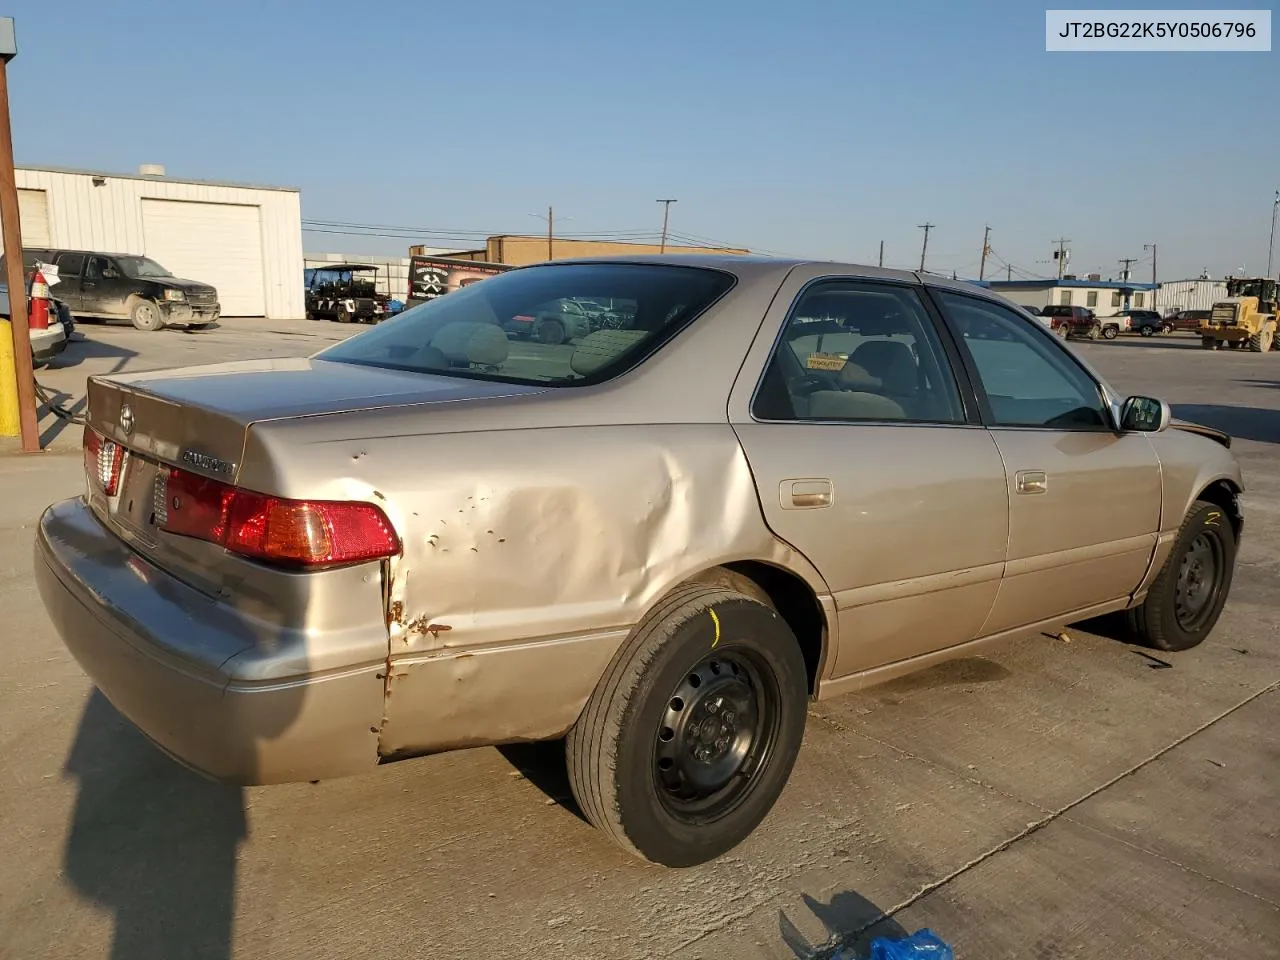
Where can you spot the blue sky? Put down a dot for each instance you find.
(810, 128)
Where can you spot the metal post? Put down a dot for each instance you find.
(1271, 245)
(666, 212)
(926, 227)
(17, 379)
(882, 253)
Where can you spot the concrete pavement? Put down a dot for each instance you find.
(1051, 799)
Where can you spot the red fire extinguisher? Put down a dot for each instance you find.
(38, 313)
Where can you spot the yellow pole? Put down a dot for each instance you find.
(10, 421)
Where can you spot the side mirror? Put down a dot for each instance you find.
(1145, 415)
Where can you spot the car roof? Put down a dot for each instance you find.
(751, 265)
(344, 266)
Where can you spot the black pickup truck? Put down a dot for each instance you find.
(115, 286)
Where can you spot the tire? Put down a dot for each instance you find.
(1064, 331)
(1110, 333)
(551, 332)
(647, 734)
(1188, 594)
(1261, 341)
(342, 315)
(1094, 331)
(1147, 331)
(1167, 329)
(145, 315)
(1208, 343)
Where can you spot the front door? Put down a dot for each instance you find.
(104, 291)
(869, 463)
(1084, 498)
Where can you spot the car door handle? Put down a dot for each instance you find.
(1031, 481)
(805, 494)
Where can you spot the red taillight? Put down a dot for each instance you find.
(302, 533)
(102, 460)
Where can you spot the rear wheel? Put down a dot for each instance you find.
(1188, 594)
(1147, 331)
(691, 735)
(145, 315)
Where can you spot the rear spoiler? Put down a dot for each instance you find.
(1210, 432)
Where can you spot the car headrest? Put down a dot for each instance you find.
(601, 348)
(892, 362)
(482, 344)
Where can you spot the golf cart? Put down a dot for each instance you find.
(346, 292)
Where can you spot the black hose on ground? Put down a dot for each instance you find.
(59, 411)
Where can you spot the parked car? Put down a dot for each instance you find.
(554, 322)
(1068, 321)
(46, 342)
(113, 286)
(659, 548)
(30, 265)
(345, 292)
(1189, 319)
(1146, 322)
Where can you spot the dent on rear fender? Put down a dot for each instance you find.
(522, 573)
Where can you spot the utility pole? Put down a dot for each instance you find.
(17, 378)
(982, 264)
(666, 212)
(1271, 245)
(1061, 256)
(926, 227)
(1152, 248)
(1008, 272)
(1124, 272)
(550, 234)
(882, 253)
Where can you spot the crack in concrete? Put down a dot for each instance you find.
(828, 950)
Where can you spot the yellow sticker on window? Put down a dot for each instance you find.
(825, 361)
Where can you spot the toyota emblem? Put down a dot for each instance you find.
(126, 418)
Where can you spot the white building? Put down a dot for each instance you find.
(1104, 297)
(245, 240)
(1189, 295)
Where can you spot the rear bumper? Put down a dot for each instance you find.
(171, 659)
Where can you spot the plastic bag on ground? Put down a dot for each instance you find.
(921, 945)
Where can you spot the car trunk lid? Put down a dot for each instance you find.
(197, 419)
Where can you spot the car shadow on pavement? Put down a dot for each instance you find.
(152, 842)
(1243, 423)
(78, 351)
(542, 763)
(851, 921)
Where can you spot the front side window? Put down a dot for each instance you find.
(859, 351)
(142, 268)
(528, 325)
(1029, 380)
(96, 268)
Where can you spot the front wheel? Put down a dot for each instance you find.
(1167, 329)
(1188, 594)
(551, 332)
(1208, 343)
(1110, 333)
(1094, 331)
(689, 738)
(343, 315)
(1064, 331)
(145, 315)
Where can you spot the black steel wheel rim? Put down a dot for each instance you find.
(718, 730)
(1199, 581)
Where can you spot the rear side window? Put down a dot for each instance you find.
(71, 264)
(554, 325)
(859, 351)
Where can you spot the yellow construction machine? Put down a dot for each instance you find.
(1246, 318)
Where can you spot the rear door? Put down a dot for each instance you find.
(1084, 498)
(869, 462)
(70, 271)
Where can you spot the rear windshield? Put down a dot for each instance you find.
(556, 325)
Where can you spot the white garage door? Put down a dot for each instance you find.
(33, 217)
(215, 243)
